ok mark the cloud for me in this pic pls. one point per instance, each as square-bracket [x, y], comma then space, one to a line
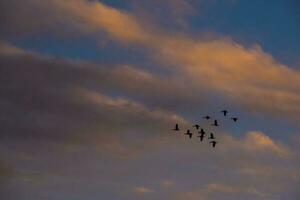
[255, 142]
[94, 16]
[225, 191]
[6, 172]
[167, 183]
[260, 142]
[250, 167]
[7, 49]
[69, 102]
[142, 190]
[82, 16]
[222, 188]
[247, 76]
[74, 102]
[170, 13]
[61, 101]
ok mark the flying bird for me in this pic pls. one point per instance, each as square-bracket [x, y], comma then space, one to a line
[176, 127]
[211, 136]
[234, 119]
[201, 137]
[202, 131]
[213, 143]
[206, 117]
[215, 123]
[196, 126]
[189, 133]
[224, 112]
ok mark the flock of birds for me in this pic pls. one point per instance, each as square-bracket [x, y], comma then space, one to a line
[202, 133]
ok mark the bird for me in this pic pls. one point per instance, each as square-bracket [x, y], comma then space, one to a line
[176, 127]
[201, 137]
[211, 136]
[189, 133]
[234, 119]
[224, 112]
[215, 123]
[202, 131]
[213, 143]
[206, 117]
[196, 126]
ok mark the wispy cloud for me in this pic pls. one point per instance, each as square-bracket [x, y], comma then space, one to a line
[217, 190]
[142, 190]
[248, 76]
[167, 183]
[256, 141]
[7, 49]
[51, 100]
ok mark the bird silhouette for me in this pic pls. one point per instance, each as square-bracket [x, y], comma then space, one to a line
[211, 136]
[176, 127]
[202, 131]
[224, 112]
[213, 143]
[189, 133]
[234, 119]
[196, 126]
[201, 137]
[215, 123]
[206, 117]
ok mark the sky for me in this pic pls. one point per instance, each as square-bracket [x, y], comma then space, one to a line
[91, 90]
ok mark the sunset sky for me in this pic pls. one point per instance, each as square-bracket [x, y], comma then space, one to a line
[91, 90]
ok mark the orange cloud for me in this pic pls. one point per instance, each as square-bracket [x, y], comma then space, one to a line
[167, 183]
[256, 141]
[261, 142]
[92, 16]
[217, 190]
[7, 49]
[245, 75]
[248, 76]
[129, 107]
[142, 190]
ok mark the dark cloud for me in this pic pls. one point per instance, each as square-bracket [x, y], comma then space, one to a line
[6, 172]
[50, 100]
[46, 98]
[24, 21]
[32, 17]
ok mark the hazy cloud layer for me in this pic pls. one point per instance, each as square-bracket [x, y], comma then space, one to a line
[94, 112]
[51, 99]
[248, 76]
[64, 102]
